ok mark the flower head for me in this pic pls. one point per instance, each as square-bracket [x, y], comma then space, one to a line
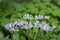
[38, 17]
[30, 25]
[47, 17]
[28, 17]
[10, 27]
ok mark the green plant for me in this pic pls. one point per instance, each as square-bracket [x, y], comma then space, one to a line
[12, 11]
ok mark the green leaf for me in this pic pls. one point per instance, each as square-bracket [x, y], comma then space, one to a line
[54, 21]
[35, 30]
[43, 6]
[36, 1]
[55, 13]
[1, 35]
[16, 36]
[58, 2]
[33, 10]
[22, 38]
[29, 5]
[20, 7]
[4, 21]
[42, 12]
[0, 0]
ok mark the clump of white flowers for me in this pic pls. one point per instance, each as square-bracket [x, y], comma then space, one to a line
[37, 17]
[26, 25]
[47, 28]
[44, 26]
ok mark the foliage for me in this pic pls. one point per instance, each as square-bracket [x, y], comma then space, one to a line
[11, 11]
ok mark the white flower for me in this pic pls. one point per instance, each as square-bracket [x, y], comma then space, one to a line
[47, 17]
[43, 23]
[41, 17]
[21, 22]
[52, 28]
[36, 24]
[46, 27]
[13, 29]
[10, 27]
[37, 21]
[40, 25]
[28, 17]
[16, 28]
[36, 17]
[14, 23]
[30, 25]
[25, 26]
